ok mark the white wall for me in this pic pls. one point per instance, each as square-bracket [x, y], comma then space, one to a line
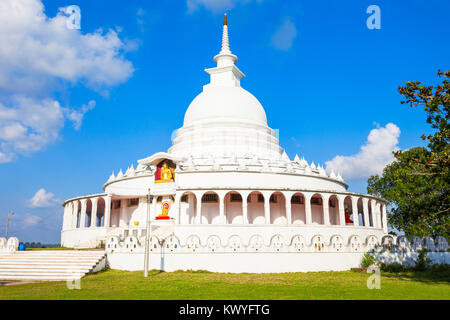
[236, 263]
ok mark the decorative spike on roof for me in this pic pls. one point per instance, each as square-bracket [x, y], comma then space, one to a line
[322, 172]
[296, 159]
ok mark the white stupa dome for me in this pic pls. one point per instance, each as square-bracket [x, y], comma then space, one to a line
[225, 119]
[225, 103]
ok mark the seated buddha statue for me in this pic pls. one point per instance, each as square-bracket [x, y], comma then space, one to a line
[166, 173]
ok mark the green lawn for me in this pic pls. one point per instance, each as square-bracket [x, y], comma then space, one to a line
[191, 285]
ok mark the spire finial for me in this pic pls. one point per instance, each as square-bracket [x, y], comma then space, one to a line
[226, 59]
[225, 41]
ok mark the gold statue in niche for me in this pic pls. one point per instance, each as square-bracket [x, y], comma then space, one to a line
[166, 174]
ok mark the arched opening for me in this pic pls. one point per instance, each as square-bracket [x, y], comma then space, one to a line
[210, 207]
[188, 208]
[87, 220]
[165, 171]
[361, 212]
[298, 212]
[370, 213]
[100, 218]
[277, 203]
[333, 208]
[255, 208]
[317, 209]
[233, 208]
[348, 211]
[381, 215]
[115, 215]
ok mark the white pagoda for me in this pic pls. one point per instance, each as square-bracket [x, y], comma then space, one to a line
[235, 199]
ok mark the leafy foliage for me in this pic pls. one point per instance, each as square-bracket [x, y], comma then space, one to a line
[368, 260]
[417, 183]
[423, 262]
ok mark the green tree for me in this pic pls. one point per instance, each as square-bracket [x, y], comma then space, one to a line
[417, 183]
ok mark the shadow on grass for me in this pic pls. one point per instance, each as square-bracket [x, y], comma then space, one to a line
[437, 275]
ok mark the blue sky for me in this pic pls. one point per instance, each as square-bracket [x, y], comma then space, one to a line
[324, 79]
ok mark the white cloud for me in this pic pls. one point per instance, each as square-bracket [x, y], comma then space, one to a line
[77, 115]
[40, 56]
[140, 16]
[284, 36]
[373, 156]
[43, 199]
[215, 6]
[29, 221]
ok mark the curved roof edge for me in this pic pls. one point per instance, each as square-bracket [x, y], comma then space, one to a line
[157, 157]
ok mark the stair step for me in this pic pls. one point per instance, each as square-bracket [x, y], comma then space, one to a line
[48, 265]
[41, 274]
[41, 269]
[40, 278]
[49, 259]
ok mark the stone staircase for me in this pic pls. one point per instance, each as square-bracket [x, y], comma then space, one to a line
[50, 265]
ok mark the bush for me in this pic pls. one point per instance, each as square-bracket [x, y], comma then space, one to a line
[423, 262]
[393, 267]
[368, 260]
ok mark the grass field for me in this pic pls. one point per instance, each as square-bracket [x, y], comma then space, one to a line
[193, 285]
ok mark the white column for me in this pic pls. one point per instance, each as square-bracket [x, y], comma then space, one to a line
[384, 217]
[222, 207]
[287, 199]
[83, 213]
[267, 207]
[222, 219]
[244, 195]
[75, 215]
[94, 202]
[107, 217]
[65, 216]
[288, 211]
[341, 210]
[176, 208]
[326, 208]
[153, 209]
[244, 211]
[308, 197]
[379, 215]
[366, 212]
[199, 208]
[374, 213]
[355, 211]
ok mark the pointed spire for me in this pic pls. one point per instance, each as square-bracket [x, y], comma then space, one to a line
[225, 40]
[225, 57]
